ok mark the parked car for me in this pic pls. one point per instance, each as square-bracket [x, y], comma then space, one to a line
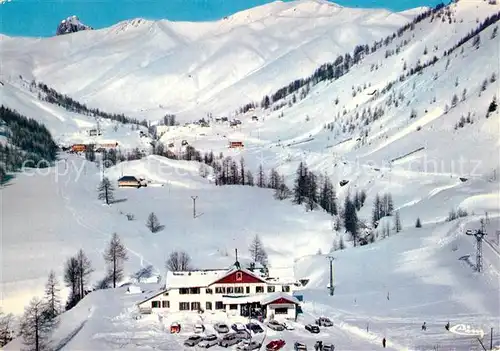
[238, 327]
[275, 345]
[209, 341]
[229, 340]
[324, 322]
[299, 346]
[248, 346]
[175, 328]
[199, 328]
[193, 340]
[254, 327]
[312, 328]
[288, 326]
[243, 335]
[221, 328]
[319, 346]
[275, 325]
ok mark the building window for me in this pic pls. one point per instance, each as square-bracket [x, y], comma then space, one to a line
[285, 288]
[155, 304]
[270, 288]
[195, 306]
[233, 306]
[183, 306]
[239, 276]
[208, 305]
[183, 291]
[229, 290]
[219, 305]
[165, 304]
[220, 290]
[208, 291]
[248, 290]
[238, 290]
[194, 291]
[281, 310]
[259, 289]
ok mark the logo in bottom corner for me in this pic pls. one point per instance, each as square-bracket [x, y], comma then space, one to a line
[467, 330]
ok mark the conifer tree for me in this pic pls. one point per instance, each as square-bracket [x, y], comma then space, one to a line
[312, 191]
[261, 177]
[153, 224]
[274, 179]
[249, 178]
[105, 191]
[327, 197]
[397, 222]
[300, 187]
[418, 223]
[351, 219]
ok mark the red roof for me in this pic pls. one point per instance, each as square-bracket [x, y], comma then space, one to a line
[279, 298]
[239, 276]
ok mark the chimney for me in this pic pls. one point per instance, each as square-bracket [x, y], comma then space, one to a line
[236, 264]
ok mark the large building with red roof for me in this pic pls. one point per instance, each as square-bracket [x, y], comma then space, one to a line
[237, 291]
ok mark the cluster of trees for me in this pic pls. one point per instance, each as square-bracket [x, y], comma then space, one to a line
[455, 214]
[311, 190]
[463, 121]
[170, 120]
[54, 97]
[178, 261]
[382, 206]
[41, 315]
[339, 67]
[475, 33]
[6, 328]
[112, 157]
[77, 272]
[30, 143]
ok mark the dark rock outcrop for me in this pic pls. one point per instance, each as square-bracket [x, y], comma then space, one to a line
[71, 25]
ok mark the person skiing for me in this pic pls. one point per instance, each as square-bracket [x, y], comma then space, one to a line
[383, 342]
[424, 327]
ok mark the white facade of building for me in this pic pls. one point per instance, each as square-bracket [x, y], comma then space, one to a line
[236, 292]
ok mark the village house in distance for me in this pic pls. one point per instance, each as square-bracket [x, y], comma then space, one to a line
[237, 291]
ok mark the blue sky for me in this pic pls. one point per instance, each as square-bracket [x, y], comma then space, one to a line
[41, 17]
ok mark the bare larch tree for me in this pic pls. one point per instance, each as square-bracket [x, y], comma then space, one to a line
[35, 326]
[257, 251]
[52, 298]
[115, 256]
[178, 261]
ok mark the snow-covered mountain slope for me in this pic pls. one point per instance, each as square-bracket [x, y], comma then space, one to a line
[419, 149]
[421, 269]
[186, 66]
